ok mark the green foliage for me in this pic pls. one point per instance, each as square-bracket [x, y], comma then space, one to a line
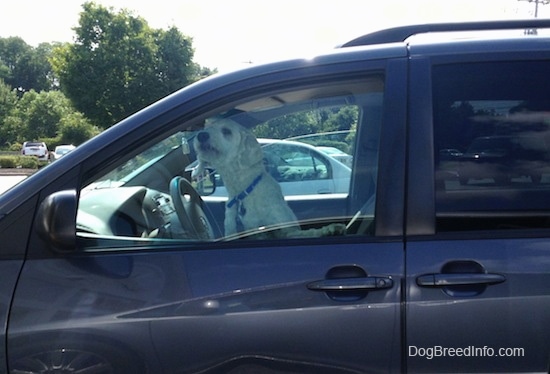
[25, 162]
[311, 122]
[46, 116]
[288, 126]
[75, 129]
[8, 161]
[40, 113]
[119, 65]
[15, 147]
[175, 63]
[24, 67]
[342, 119]
[8, 100]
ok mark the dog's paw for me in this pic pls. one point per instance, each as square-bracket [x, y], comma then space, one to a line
[334, 229]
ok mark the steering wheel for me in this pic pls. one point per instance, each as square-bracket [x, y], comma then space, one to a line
[190, 209]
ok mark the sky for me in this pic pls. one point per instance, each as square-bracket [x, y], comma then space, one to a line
[229, 34]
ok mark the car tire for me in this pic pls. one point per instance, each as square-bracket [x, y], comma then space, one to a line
[41, 358]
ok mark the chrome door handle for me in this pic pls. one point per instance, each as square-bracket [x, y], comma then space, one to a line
[458, 279]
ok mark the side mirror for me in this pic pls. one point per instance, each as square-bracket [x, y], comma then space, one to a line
[56, 220]
[205, 184]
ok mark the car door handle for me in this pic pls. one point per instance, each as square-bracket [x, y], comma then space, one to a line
[351, 284]
[458, 279]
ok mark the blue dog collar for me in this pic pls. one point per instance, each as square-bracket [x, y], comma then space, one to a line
[245, 193]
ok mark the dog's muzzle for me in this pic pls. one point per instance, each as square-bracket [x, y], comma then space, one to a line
[203, 137]
[203, 141]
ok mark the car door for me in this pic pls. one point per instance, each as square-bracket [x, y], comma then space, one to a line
[299, 169]
[478, 270]
[138, 293]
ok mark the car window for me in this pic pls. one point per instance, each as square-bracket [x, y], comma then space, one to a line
[254, 164]
[492, 145]
[301, 168]
[289, 162]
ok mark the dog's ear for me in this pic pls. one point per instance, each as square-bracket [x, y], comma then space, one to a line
[252, 151]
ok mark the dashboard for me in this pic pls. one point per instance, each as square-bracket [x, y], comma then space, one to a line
[135, 211]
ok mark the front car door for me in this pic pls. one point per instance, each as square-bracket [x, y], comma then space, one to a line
[478, 270]
[140, 293]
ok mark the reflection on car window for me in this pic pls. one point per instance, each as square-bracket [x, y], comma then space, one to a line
[263, 169]
[302, 168]
[295, 162]
[123, 173]
[492, 143]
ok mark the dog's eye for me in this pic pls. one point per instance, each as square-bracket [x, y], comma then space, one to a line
[226, 131]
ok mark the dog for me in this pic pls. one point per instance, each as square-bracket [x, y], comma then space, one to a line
[255, 199]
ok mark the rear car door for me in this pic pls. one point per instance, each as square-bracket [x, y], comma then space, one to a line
[478, 270]
[140, 294]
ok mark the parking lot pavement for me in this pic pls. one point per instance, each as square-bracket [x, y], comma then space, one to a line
[7, 181]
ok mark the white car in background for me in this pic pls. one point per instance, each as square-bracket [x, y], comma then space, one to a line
[338, 154]
[62, 150]
[38, 149]
[300, 168]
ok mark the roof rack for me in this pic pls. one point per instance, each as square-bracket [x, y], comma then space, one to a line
[400, 34]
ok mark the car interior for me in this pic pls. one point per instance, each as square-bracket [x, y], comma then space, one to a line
[151, 196]
[492, 148]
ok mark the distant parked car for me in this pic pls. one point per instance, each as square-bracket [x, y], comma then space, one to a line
[337, 154]
[62, 150]
[300, 169]
[38, 149]
[502, 158]
[449, 154]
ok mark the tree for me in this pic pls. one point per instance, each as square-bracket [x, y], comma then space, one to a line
[119, 65]
[8, 100]
[8, 103]
[176, 68]
[25, 68]
[309, 122]
[47, 116]
[41, 113]
[75, 129]
[287, 126]
[343, 118]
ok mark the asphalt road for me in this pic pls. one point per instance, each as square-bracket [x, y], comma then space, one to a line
[7, 181]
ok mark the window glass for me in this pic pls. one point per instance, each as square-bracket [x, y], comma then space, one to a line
[492, 145]
[274, 167]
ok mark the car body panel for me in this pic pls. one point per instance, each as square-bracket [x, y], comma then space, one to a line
[10, 272]
[495, 325]
[239, 294]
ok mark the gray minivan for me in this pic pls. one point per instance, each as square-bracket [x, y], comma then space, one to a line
[104, 272]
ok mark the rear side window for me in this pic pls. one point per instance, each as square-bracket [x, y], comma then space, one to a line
[492, 145]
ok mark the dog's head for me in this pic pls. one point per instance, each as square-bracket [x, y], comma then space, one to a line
[225, 143]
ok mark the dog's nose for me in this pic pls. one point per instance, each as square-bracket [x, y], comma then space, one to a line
[202, 136]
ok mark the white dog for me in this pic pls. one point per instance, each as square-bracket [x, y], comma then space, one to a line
[255, 198]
